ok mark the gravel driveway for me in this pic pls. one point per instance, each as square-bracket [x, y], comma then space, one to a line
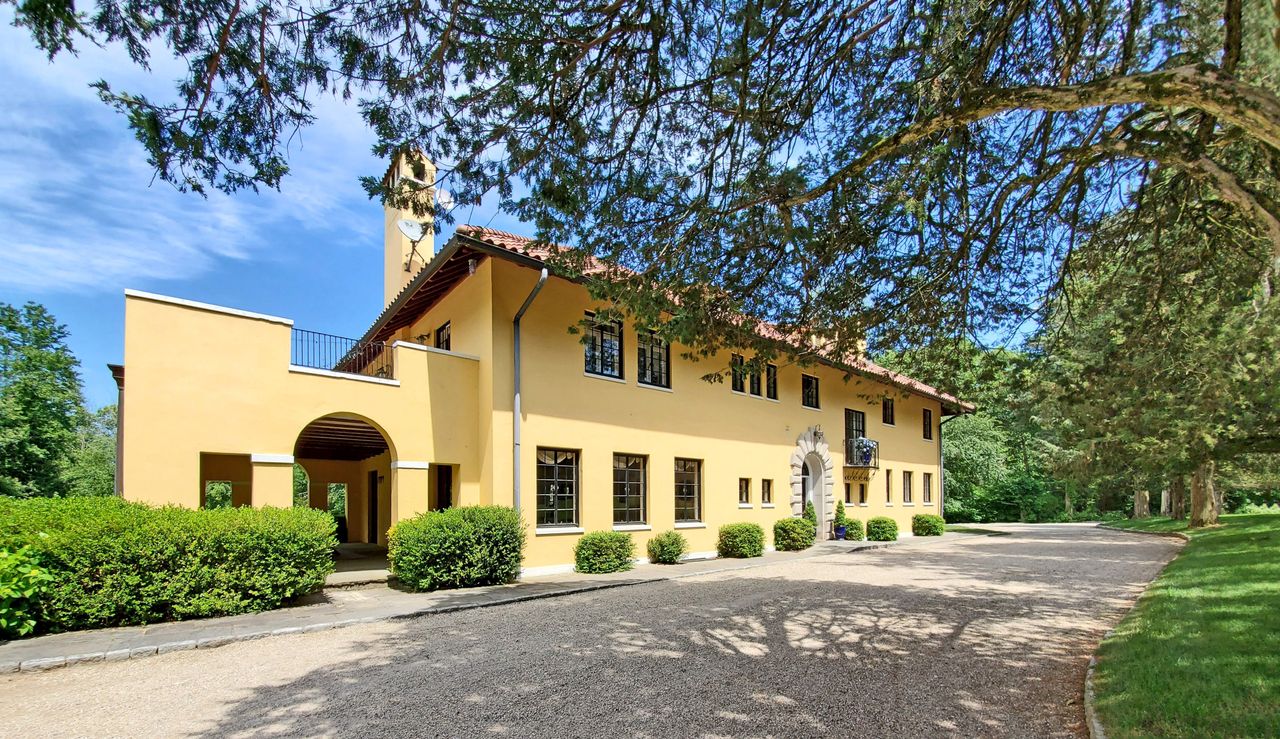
[982, 635]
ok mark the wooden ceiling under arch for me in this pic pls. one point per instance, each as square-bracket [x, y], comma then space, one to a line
[335, 437]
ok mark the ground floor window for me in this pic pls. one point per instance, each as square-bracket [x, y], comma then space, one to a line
[744, 490]
[557, 487]
[848, 493]
[888, 486]
[688, 489]
[927, 490]
[906, 487]
[630, 485]
[766, 492]
[862, 493]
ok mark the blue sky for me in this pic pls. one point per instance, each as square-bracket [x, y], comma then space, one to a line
[81, 219]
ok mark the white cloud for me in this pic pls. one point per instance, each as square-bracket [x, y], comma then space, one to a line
[79, 210]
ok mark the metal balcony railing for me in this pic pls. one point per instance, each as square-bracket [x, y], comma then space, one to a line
[340, 354]
[862, 452]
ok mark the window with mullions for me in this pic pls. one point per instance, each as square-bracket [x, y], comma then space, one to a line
[755, 383]
[444, 338]
[809, 391]
[629, 487]
[927, 490]
[653, 359]
[688, 489]
[737, 375]
[602, 351]
[557, 487]
[928, 424]
[771, 381]
[744, 490]
[886, 411]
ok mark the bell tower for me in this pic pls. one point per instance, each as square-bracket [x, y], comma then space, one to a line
[409, 173]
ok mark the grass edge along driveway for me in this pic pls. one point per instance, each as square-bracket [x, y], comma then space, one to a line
[1200, 654]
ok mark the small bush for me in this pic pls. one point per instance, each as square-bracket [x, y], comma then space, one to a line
[461, 547]
[793, 534]
[740, 540]
[840, 516]
[810, 514]
[853, 530]
[1257, 508]
[116, 564]
[927, 524]
[22, 583]
[882, 528]
[667, 548]
[600, 552]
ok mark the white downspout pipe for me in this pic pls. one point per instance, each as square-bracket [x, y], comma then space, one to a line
[515, 406]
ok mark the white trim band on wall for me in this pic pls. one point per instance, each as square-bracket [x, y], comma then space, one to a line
[271, 458]
[404, 464]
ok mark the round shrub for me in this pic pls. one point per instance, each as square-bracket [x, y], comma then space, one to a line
[667, 548]
[118, 564]
[460, 547]
[853, 530]
[600, 552]
[793, 534]
[882, 528]
[927, 524]
[740, 540]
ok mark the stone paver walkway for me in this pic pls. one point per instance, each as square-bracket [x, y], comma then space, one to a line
[338, 607]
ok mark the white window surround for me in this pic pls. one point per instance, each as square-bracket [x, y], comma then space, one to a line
[342, 375]
[206, 307]
[862, 505]
[647, 386]
[810, 408]
[433, 350]
[908, 505]
[554, 530]
[690, 525]
[768, 505]
[745, 505]
[271, 458]
[594, 376]
[632, 527]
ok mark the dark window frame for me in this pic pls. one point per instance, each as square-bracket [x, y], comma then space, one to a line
[635, 484]
[805, 392]
[926, 489]
[908, 495]
[771, 381]
[862, 493]
[692, 489]
[755, 384]
[737, 376]
[887, 416]
[653, 355]
[888, 487]
[594, 355]
[744, 491]
[574, 483]
[766, 491]
[928, 424]
[444, 336]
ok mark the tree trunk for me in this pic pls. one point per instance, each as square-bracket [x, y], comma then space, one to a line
[1141, 504]
[1178, 491]
[1204, 510]
[1166, 502]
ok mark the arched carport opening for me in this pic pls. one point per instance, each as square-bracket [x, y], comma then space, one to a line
[350, 451]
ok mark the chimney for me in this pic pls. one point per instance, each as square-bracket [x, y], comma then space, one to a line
[401, 261]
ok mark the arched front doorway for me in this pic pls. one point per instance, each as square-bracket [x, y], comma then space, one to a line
[811, 490]
[812, 478]
[348, 450]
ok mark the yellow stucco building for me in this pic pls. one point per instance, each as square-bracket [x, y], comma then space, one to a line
[617, 432]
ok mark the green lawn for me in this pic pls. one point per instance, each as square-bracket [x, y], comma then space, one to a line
[1200, 655]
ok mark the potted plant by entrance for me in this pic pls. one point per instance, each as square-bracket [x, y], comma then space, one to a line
[841, 523]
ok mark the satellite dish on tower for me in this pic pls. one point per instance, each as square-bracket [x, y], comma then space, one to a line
[412, 230]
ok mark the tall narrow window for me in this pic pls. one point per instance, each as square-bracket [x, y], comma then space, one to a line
[688, 489]
[848, 493]
[653, 359]
[754, 379]
[906, 487]
[603, 349]
[557, 487]
[888, 487]
[771, 381]
[744, 491]
[809, 391]
[862, 493]
[737, 378]
[444, 338]
[630, 488]
[766, 492]
[886, 411]
[928, 424]
[855, 424]
[926, 490]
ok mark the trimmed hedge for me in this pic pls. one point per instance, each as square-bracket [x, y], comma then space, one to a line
[740, 540]
[853, 530]
[115, 563]
[667, 548]
[882, 528]
[601, 552]
[793, 534]
[461, 547]
[927, 524]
